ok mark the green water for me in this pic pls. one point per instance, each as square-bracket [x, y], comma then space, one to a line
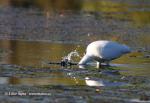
[35, 53]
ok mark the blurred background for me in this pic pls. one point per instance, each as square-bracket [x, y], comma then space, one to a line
[77, 20]
[72, 22]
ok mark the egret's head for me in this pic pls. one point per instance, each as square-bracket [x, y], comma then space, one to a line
[126, 49]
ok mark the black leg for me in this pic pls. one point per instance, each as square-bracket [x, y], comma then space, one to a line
[99, 67]
[107, 63]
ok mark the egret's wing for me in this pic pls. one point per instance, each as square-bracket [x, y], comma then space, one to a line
[111, 51]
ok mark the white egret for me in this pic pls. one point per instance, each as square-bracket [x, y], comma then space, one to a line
[104, 51]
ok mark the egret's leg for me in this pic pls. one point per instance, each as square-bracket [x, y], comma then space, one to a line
[107, 63]
[99, 65]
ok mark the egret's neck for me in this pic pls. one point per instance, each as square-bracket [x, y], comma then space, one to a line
[85, 60]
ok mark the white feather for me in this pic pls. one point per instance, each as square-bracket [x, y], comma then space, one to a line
[102, 51]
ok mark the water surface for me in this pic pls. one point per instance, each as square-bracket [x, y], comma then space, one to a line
[35, 54]
[39, 54]
[36, 32]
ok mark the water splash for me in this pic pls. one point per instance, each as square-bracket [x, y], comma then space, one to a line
[67, 60]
